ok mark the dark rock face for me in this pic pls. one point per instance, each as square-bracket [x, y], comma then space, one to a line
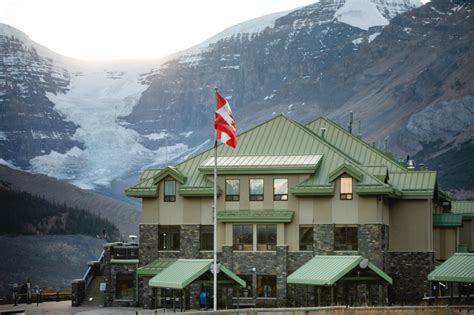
[30, 124]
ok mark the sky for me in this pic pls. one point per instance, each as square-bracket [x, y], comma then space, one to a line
[123, 29]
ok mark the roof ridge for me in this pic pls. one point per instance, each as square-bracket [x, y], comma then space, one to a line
[334, 124]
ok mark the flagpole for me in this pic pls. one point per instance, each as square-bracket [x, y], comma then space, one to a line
[214, 215]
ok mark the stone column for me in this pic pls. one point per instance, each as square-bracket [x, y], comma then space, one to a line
[190, 241]
[78, 291]
[227, 257]
[148, 251]
[323, 239]
[108, 294]
[281, 274]
[371, 242]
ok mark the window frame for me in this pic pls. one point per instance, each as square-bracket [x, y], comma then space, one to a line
[303, 246]
[242, 246]
[346, 195]
[174, 232]
[346, 245]
[266, 245]
[166, 197]
[206, 229]
[232, 198]
[280, 197]
[125, 278]
[256, 197]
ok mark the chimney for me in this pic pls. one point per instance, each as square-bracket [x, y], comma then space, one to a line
[386, 143]
[323, 133]
[411, 165]
[351, 119]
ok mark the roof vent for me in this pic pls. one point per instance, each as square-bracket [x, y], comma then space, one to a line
[323, 132]
[411, 164]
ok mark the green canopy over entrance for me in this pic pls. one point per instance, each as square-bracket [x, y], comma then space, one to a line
[183, 272]
[458, 268]
[327, 270]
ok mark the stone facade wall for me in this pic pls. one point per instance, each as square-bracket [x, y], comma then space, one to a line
[409, 271]
[190, 241]
[323, 237]
[148, 243]
[372, 242]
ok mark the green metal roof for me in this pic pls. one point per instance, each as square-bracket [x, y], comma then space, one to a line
[353, 146]
[447, 220]
[458, 268]
[169, 171]
[155, 267]
[414, 184]
[184, 271]
[346, 169]
[281, 143]
[465, 208]
[281, 216]
[262, 164]
[327, 270]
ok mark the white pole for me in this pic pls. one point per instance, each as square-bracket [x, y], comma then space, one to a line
[214, 215]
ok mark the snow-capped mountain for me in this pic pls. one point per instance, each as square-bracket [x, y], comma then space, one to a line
[374, 57]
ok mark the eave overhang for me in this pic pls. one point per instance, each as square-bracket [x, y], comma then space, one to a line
[255, 216]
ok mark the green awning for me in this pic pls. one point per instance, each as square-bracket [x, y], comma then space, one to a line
[155, 267]
[327, 270]
[447, 220]
[252, 216]
[184, 271]
[458, 268]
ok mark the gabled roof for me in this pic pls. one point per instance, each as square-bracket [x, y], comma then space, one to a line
[327, 270]
[466, 207]
[184, 271]
[352, 146]
[285, 144]
[458, 268]
[346, 169]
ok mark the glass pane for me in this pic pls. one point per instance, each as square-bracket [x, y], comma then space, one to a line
[170, 187]
[256, 186]
[272, 234]
[280, 186]
[306, 238]
[266, 286]
[247, 234]
[339, 238]
[351, 238]
[232, 187]
[124, 286]
[346, 185]
[207, 237]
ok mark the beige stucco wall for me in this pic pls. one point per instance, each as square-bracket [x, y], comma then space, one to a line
[150, 210]
[411, 223]
[445, 242]
[466, 234]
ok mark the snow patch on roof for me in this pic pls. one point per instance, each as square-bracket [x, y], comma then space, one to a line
[362, 14]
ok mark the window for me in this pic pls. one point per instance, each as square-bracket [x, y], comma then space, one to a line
[169, 237]
[256, 189]
[306, 237]
[247, 291]
[266, 286]
[280, 189]
[346, 188]
[170, 190]
[243, 237]
[125, 252]
[232, 190]
[266, 236]
[345, 237]
[124, 286]
[207, 237]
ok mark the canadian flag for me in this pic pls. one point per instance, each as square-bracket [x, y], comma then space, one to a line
[224, 122]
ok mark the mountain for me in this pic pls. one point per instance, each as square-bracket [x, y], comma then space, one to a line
[124, 216]
[394, 63]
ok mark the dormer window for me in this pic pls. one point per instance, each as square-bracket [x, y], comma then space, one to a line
[170, 191]
[346, 187]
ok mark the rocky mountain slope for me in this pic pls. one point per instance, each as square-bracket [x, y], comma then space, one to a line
[396, 64]
[124, 216]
